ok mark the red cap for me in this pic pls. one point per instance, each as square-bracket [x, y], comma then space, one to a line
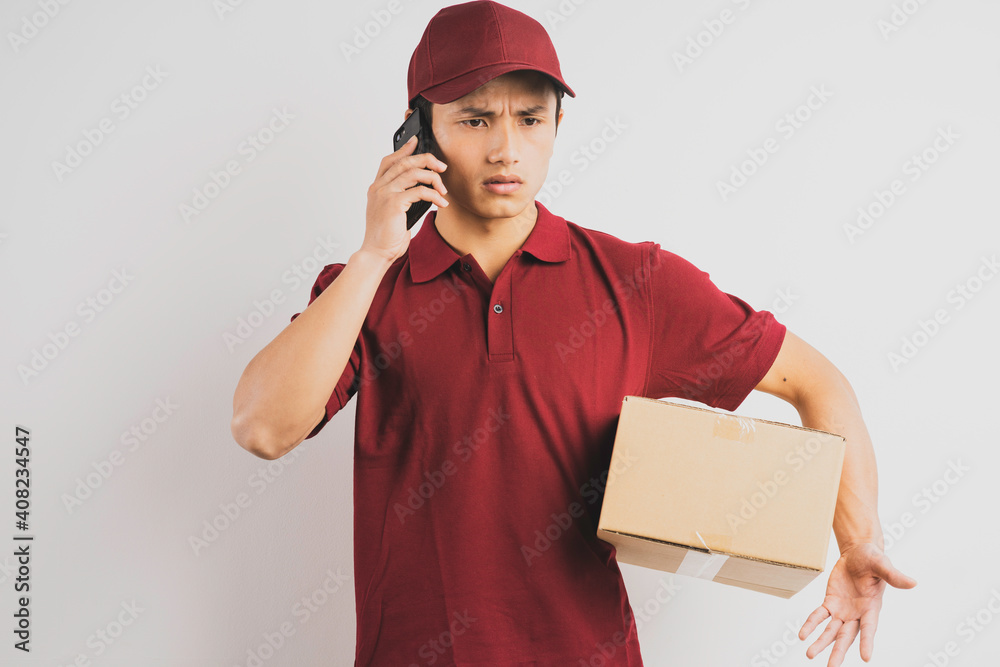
[464, 46]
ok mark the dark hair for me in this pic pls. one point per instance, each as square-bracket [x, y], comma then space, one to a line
[425, 106]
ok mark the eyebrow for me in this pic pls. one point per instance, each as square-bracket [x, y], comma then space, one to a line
[479, 111]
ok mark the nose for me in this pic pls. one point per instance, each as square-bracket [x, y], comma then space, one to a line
[506, 145]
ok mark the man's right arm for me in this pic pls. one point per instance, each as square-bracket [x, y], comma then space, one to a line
[283, 392]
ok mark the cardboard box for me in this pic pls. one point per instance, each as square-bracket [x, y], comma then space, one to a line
[700, 492]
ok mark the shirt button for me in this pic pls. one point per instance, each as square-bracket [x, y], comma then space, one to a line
[498, 308]
[467, 266]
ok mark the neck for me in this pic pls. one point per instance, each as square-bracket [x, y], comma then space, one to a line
[490, 240]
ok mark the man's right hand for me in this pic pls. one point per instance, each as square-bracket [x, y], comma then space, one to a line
[392, 193]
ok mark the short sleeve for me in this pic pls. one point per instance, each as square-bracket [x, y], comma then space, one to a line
[349, 381]
[707, 345]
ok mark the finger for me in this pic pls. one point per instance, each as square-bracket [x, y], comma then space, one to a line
[897, 579]
[814, 619]
[425, 159]
[393, 158]
[844, 640]
[885, 570]
[421, 162]
[824, 639]
[435, 180]
[408, 146]
[412, 195]
[869, 623]
[422, 176]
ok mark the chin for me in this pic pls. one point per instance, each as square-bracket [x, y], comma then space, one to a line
[506, 206]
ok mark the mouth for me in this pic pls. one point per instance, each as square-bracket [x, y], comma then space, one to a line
[503, 184]
[508, 178]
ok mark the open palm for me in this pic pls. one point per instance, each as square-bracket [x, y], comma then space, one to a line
[853, 600]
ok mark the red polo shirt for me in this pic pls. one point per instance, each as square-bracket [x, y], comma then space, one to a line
[486, 416]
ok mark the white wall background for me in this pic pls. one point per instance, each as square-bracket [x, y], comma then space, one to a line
[162, 337]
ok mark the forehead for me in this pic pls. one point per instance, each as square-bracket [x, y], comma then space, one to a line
[521, 87]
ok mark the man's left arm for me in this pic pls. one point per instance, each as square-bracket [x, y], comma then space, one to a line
[826, 401]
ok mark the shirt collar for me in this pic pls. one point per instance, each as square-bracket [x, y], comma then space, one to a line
[430, 255]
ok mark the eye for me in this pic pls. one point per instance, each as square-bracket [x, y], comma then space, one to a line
[537, 121]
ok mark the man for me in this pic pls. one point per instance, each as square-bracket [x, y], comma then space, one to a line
[490, 356]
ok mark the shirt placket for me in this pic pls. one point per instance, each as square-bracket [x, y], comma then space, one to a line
[499, 330]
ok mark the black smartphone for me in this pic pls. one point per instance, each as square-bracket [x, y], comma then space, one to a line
[415, 125]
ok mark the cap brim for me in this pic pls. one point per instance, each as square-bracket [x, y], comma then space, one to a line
[460, 86]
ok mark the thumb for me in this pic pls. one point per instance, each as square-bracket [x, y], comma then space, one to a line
[886, 571]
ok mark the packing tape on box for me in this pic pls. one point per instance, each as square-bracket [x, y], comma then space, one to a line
[731, 427]
[701, 565]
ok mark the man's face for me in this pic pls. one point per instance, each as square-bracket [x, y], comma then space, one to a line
[507, 126]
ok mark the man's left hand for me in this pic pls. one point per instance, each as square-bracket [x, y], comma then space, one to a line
[853, 600]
